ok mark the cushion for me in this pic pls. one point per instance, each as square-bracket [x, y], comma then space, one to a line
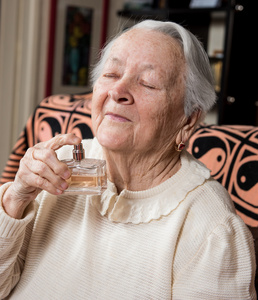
[231, 153]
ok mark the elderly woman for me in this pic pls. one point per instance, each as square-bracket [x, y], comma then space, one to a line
[163, 228]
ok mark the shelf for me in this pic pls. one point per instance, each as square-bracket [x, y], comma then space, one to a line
[165, 13]
[157, 14]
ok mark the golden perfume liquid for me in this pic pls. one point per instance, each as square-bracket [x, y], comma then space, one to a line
[88, 176]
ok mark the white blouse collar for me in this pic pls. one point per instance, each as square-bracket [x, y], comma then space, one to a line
[143, 206]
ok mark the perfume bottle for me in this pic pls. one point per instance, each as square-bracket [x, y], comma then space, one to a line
[88, 175]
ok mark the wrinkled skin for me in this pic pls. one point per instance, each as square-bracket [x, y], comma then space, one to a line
[138, 114]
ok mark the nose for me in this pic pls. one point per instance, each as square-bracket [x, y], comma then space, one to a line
[120, 93]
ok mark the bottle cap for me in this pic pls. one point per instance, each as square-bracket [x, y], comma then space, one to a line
[78, 152]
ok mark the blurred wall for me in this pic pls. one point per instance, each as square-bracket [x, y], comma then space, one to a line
[23, 43]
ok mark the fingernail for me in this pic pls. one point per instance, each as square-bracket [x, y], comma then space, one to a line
[75, 138]
[66, 174]
[64, 185]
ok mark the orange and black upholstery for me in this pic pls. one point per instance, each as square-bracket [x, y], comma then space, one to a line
[231, 153]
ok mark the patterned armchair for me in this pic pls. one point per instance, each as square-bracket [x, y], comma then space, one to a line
[230, 152]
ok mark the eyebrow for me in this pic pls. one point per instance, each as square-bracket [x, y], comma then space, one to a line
[114, 59]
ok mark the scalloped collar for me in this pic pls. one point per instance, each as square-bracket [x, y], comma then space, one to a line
[143, 206]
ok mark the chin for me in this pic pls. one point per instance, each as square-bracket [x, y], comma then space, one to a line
[112, 141]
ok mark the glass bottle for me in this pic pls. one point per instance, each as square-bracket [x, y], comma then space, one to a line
[88, 175]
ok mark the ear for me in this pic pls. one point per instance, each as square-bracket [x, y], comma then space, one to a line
[188, 128]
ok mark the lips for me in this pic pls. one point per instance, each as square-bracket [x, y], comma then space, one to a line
[116, 117]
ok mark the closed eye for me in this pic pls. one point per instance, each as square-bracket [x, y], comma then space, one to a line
[148, 85]
[110, 75]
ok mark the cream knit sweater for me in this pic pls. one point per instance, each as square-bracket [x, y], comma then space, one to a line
[180, 240]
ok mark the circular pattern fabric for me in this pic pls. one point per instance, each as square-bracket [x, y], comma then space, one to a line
[231, 153]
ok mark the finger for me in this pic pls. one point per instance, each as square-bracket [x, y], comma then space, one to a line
[62, 139]
[45, 162]
[29, 184]
[38, 183]
[45, 152]
[47, 166]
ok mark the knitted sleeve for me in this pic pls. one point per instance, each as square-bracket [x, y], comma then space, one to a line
[54, 115]
[12, 233]
[220, 268]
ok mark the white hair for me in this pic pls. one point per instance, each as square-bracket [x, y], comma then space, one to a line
[200, 93]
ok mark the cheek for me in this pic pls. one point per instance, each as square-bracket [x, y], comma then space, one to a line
[152, 125]
[166, 121]
[98, 100]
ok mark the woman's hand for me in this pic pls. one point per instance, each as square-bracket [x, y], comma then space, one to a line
[39, 170]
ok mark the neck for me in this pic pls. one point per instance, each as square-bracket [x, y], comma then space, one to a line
[140, 172]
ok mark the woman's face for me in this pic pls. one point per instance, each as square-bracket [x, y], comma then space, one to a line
[138, 99]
